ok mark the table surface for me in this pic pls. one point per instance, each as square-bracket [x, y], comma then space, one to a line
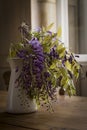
[70, 113]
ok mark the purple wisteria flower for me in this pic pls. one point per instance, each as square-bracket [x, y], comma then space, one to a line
[34, 65]
[53, 53]
[49, 33]
[38, 29]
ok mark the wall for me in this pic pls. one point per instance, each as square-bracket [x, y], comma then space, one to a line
[83, 79]
[73, 25]
[12, 13]
[83, 26]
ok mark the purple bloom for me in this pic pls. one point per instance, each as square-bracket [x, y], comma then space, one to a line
[54, 39]
[53, 53]
[38, 29]
[70, 59]
[46, 74]
[22, 54]
[34, 42]
[40, 58]
[34, 65]
[49, 33]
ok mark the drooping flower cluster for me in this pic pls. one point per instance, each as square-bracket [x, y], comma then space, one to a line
[46, 64]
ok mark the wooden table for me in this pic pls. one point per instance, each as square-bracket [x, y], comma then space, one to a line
[69, 114]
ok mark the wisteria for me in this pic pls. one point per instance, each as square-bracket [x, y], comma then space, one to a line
[46, 64]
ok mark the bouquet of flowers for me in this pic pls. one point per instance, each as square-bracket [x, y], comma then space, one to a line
[47, 64]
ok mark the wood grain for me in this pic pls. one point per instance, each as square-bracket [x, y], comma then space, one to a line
[69, 114]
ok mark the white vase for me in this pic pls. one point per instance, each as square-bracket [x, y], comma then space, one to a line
[17, 101]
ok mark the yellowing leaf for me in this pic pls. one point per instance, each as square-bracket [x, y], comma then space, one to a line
[60, 46]
[68, 65]
[59, 32]
[44, 29]
[53, 66]
[64, 81]
[49, 27]
[63, 72]
[61, 50]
